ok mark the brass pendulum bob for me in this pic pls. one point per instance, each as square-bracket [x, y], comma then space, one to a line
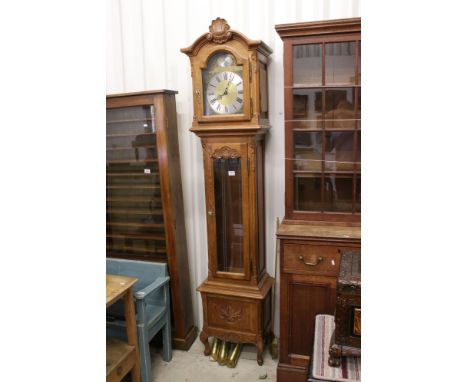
[215, 350]
[234, 356]
[223, 353]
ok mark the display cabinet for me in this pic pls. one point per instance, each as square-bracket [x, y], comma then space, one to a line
[144, 202]
[322, 101]
[229, 73]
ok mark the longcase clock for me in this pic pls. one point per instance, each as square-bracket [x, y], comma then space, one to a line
[229, 73]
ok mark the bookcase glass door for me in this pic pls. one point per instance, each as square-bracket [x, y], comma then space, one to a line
[229, 223]
[324, 126]
[134, 211]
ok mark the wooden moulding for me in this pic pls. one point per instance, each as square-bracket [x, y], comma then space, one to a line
[321, 230]
[221, 32]
[321, 28]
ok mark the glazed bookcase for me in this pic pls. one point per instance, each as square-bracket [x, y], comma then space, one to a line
[322, 100]
[144, 202]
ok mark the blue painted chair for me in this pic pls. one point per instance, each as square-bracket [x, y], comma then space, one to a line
[151, 294]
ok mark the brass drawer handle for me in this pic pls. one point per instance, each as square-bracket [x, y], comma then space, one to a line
[315, 260]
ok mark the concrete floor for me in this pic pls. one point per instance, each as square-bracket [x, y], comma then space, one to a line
[193, 366]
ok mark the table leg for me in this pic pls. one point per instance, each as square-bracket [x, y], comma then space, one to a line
[131, 332]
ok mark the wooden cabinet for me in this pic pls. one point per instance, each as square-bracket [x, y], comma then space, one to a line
[144, 203]
[309, 266]
[322, 177]
[231, 118]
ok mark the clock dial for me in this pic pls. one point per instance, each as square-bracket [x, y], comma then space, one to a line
[225, 93]
[223, 87]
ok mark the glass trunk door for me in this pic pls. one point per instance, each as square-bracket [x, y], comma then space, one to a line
[228, 212]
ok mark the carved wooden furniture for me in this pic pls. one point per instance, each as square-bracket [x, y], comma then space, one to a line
[145, 209]
[229, 73]
[153, 307]
[346, 339]
[319, 369]
[322, 177]
[122, 357]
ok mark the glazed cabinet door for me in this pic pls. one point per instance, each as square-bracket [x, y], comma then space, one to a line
[134, 213]
[227, 202]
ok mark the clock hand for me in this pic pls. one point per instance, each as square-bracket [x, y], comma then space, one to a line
[227, 87]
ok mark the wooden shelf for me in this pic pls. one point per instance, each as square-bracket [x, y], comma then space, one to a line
[143, 199]
[119, 358]
[130, 147]
[304, 173]
[150, 122]
[130, 174]
[134, 212]
[132, 187]
[136, 237]
[131, 161]
[330, 86]
[136, 249]
[129, 134]
[149, 225]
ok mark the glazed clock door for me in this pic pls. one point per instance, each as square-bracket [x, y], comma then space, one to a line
[227, 210]
[225, 88]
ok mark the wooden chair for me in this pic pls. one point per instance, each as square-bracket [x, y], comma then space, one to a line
[151, 294]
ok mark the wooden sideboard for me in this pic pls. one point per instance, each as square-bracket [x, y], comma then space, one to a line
[309, 266]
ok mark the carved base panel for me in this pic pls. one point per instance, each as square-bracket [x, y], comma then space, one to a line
[237, 319]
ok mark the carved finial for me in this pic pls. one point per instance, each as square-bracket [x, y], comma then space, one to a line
[219, 31]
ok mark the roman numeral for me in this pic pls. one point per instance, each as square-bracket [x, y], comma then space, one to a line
[239, 100]
[212, 101]
[218, 107]
[225, 75]
[225, 109]
[241, 92]
[240, 83]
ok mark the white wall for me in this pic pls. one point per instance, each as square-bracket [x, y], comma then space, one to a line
[144, 38]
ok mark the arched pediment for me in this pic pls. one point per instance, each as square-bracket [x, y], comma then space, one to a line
[219, 33]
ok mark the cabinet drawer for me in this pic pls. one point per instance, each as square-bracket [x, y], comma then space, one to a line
[311, 259]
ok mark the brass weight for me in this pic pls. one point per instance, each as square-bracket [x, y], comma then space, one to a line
[223, 353]
[215, 350]
[234, 356]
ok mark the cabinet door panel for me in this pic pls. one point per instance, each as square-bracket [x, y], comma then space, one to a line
[307, 297]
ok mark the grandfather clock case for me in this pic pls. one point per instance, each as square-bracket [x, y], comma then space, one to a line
[229, 73]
